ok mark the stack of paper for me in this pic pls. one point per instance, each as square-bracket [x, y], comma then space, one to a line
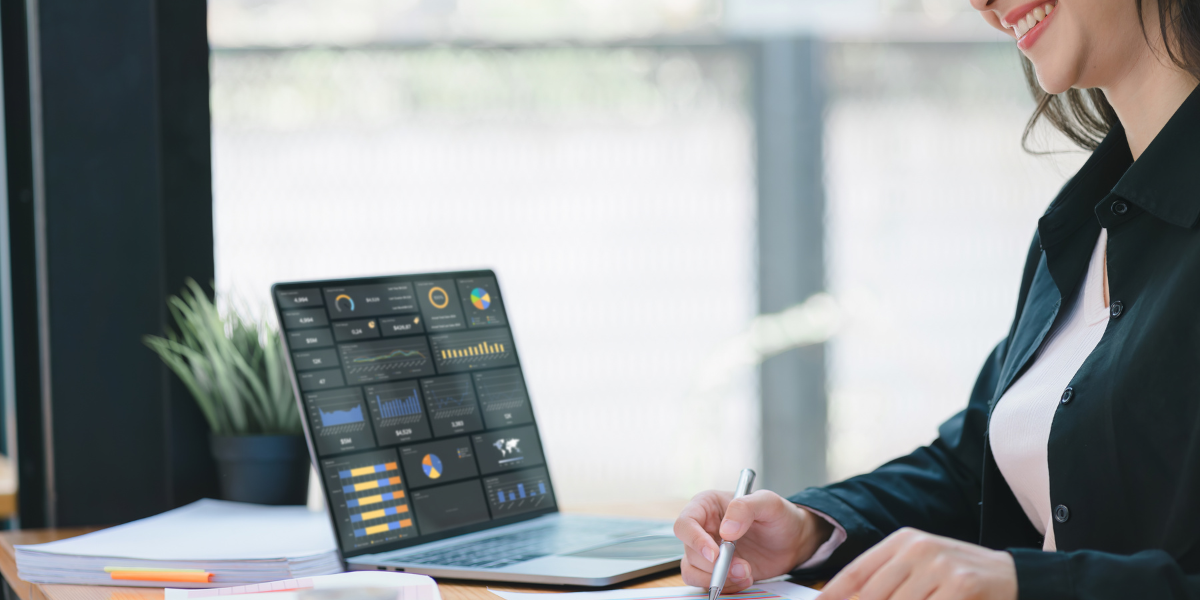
[209, 543]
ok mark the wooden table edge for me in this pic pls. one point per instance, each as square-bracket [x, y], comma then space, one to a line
[451, 589]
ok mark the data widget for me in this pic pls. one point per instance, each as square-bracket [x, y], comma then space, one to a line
[443, 461]
[368, 498]
[348, 302]
[397, 413]
[440, 305]
[338, 421]
[507, 449]
[481, 302]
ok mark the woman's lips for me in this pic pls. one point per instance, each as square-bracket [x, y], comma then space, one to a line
[1030, 36]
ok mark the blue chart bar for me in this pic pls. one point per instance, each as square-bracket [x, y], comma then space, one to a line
[399, 407]
[541, 488]
[394, 525]
[521, 489]
[341, 417]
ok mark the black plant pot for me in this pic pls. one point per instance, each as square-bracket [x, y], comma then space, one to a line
[263, 469]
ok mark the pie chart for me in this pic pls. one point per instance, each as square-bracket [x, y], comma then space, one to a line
[432, 465]
[480, 298]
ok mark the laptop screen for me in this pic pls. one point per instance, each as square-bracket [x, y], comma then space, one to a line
[414, 406]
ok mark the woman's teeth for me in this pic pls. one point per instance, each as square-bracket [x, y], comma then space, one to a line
[1034, 17]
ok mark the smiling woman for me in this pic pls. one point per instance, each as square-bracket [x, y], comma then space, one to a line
[1071, 473]
[1076, 104]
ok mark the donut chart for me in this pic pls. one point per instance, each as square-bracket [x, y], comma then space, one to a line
[481, 298]
[432, 465]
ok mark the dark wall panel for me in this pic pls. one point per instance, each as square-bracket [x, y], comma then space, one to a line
[120, 136]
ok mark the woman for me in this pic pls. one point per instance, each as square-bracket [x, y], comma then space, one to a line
[1074, 471]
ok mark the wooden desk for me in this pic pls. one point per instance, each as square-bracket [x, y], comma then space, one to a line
[451, 589]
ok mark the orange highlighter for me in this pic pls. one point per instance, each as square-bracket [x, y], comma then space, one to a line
[158, 574]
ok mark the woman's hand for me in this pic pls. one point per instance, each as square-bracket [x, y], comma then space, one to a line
[773, 536]
[914, 565]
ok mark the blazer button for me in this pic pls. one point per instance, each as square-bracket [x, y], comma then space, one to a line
[1066, 396]
[1119, 208]
[1062, 513]
[1116, 308]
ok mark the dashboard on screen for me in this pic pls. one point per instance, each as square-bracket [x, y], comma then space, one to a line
[414, 405]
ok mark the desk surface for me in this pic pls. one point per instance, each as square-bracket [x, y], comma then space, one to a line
[451, 590]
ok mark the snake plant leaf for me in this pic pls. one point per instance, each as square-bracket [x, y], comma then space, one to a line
[231, 364]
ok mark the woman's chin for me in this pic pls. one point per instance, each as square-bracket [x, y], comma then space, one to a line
[1053, 80]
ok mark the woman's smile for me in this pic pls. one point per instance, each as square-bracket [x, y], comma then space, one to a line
[1028, 21]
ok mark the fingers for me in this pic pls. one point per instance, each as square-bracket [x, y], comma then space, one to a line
[740, 577]
[762, 505]
[692, 575]
[855, 576]
[689, 526]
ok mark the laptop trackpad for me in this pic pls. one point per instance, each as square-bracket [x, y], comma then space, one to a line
[641, 548]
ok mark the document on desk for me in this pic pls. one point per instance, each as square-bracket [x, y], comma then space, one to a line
[209, 543]
[776, 590]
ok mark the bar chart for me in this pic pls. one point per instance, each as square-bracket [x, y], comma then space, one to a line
[369, 498]
[518, 492]
[397, 412]
[470, 350]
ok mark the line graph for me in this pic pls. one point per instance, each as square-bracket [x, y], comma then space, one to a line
[366, 362]
[393, 355]
[452, 405]
[503, 398]
[334, 418]
[338, 419]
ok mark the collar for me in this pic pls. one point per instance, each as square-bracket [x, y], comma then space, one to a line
[1075, 205]
[1165, 180]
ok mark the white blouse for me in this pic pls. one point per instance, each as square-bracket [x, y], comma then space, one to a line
[1020, 425]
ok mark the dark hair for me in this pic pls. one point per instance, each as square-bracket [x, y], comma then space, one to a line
[1085, 116]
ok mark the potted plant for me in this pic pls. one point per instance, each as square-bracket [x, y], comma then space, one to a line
[234, 368]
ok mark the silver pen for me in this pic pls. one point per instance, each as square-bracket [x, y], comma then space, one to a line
[725, 556]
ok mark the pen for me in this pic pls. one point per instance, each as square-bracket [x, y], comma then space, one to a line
[725, 556]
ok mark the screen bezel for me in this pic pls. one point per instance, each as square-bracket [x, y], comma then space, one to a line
[311, 442]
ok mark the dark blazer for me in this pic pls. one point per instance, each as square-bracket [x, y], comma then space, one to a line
[1124, 448]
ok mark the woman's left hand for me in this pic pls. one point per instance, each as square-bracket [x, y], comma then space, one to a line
[914, 565]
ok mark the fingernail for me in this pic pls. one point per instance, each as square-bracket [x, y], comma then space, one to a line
[730, 527]
[738, 571]
[708, 555]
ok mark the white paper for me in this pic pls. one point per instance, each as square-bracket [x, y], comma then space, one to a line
[766, 591]
[208, 530]
[409, 585]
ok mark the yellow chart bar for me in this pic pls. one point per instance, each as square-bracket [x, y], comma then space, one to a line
[370, 500]
[369, 485]
[377, 529]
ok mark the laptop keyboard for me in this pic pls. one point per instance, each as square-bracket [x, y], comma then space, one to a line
[517, 547]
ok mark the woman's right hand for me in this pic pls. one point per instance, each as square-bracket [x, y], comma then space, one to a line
[773, 536]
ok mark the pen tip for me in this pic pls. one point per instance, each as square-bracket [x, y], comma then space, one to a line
[713, 593]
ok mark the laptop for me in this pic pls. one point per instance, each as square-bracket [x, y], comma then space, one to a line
[421, 428]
